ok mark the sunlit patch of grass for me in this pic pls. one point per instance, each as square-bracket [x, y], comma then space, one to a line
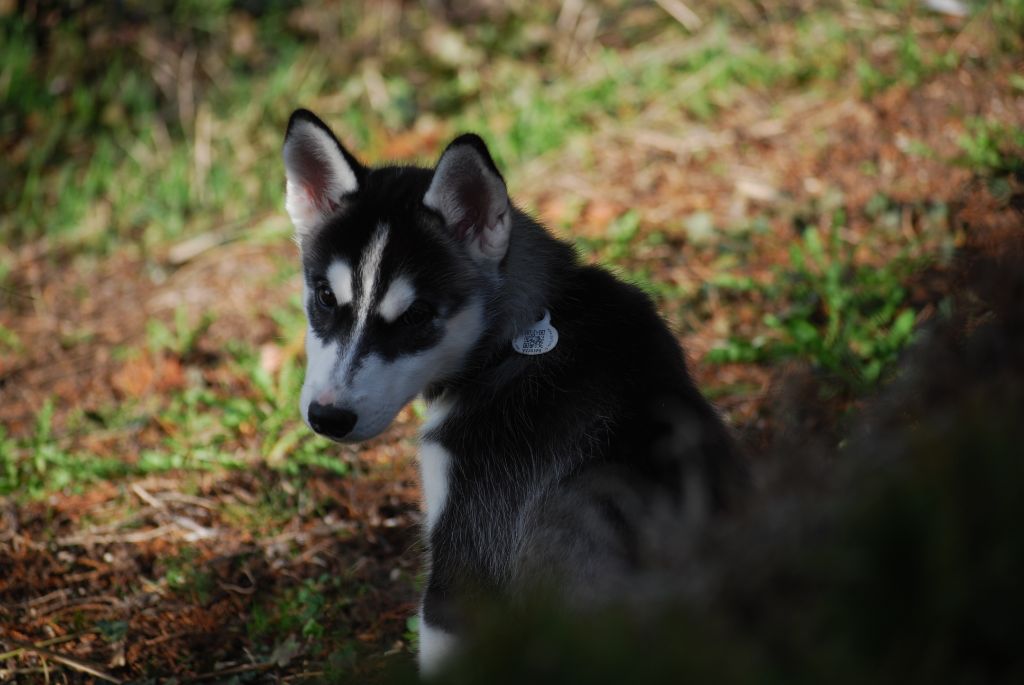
[217, 426]
[992, 149]
[153, 147]
[10, 341]
[130, 156]
[908, 64]
[37, 464]
[249, 418]
[182, 338]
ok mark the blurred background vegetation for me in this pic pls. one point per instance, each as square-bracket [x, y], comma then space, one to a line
[793, 181]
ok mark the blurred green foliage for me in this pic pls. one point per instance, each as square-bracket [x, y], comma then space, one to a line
[851, 319]
[993, 149]
[145, 122]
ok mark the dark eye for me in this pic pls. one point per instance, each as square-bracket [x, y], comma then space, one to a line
[325, 296]
[418, 313]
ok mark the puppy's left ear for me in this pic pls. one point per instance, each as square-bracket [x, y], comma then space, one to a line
[319, 171]
[470, 195]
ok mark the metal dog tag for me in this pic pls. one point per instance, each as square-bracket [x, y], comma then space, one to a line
[539, 338]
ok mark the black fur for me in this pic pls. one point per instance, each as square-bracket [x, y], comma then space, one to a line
[596, 408]
[418, 244]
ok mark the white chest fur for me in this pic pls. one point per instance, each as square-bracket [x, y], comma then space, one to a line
[435, 464]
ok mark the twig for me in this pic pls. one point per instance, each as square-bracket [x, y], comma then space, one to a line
[196, 531]
[90, 603]
[182, 498]
[60, 639]
[681, 13]
[234, 670]
[231, 587]
[302, 676]
[685, 146]
[15, 293]
[146, 497]
[56, 594]
[72, 662]
[166, 637]
[128, 538]
[6, 673]
[188, 250]
[96, 604]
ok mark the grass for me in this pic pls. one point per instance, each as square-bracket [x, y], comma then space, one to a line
[850, 320]
[36, 465]
[300, 610]
[992, 148]
[152, 146]
[204, 427]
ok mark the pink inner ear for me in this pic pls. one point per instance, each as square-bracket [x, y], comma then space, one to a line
[470, 224]
[319, 201]
[472, 197]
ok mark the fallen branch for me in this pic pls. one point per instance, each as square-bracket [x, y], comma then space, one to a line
[681, 13]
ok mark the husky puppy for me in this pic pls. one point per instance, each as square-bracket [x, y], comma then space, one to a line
[560, 414]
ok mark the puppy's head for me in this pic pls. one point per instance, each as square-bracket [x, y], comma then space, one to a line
[398, 262]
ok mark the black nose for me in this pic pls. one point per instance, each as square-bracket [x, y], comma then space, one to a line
[334, 422]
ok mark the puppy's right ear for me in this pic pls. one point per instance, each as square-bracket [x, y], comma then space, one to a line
[319, 172]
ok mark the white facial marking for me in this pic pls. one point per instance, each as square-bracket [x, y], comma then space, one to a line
[435, 646]
[372, 387]
[339, 276]
[379, 388]
[327, 366]
[399, 296]
[369, 267]
[369, 271]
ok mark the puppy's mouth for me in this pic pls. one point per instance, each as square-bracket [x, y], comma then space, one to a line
[340, 439]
